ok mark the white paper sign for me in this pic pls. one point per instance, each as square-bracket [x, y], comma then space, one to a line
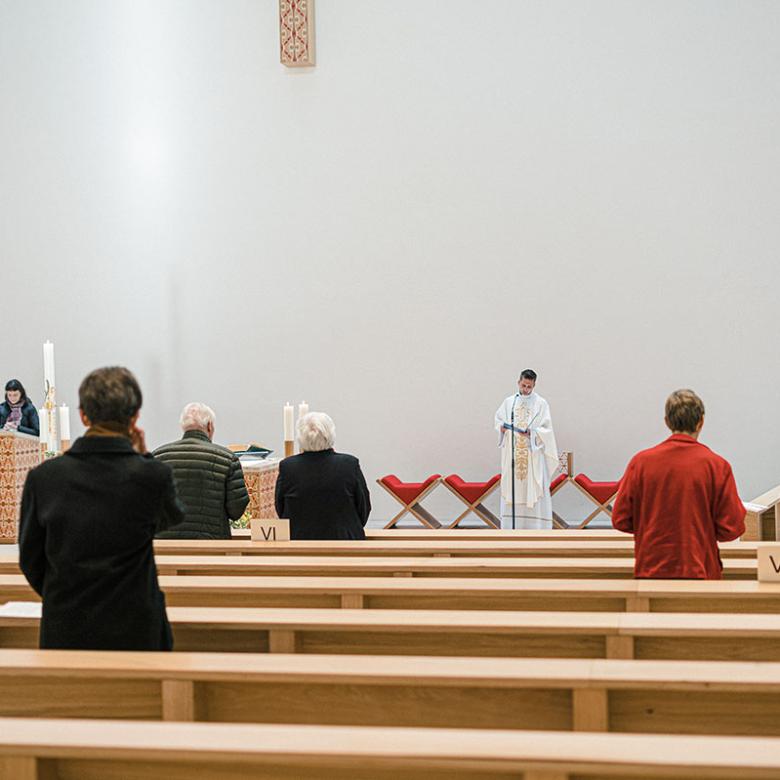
[768, 562]
[21, 609]
[270, 530]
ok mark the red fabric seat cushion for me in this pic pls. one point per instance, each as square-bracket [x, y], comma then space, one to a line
[407, 491]
[601, 491]
[470, 491]
[559, 480]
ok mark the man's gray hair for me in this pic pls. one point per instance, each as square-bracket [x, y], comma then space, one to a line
[196, 415]
[316, 432]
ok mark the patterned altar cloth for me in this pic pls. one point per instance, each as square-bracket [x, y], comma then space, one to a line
[260, 477]
[18, 454]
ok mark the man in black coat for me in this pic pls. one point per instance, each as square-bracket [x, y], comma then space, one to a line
[322, 492]
[88, 520]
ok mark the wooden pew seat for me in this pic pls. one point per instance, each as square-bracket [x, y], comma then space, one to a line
[109, 750]
[476, 534]
[475, 633]
[745, 596]
[415, 548]
[499, 693]
[354, 566]
[421, 567]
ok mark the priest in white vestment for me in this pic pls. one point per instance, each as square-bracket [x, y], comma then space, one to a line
[536, 456]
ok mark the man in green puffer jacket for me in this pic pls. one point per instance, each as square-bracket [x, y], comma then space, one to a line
[209, 479]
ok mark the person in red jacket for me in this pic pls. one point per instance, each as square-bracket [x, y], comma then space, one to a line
[679, 499]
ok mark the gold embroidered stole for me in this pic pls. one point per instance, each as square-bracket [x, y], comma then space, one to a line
[522, 449]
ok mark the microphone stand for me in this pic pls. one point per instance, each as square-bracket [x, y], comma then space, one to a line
[514, 402]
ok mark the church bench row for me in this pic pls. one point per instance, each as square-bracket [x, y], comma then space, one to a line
[414, 549]
[420, 567]
[109, 750]
[497, 693]
[627, 595]
[659, 636]
[478, 534]
[355, 566]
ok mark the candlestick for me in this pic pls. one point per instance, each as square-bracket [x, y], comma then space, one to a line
[289, 422]
[43, 422]
[64, 423]
[52, 441]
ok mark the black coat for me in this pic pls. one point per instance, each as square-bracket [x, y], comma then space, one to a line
[29, 422]
[324, 495]
[87, 523]
[210, 484]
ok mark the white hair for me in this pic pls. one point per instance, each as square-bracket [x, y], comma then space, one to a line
[316, 432]
[196, 415]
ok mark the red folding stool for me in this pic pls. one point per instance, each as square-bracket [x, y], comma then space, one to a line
[602, 494]
[473, 494]
[410, 494]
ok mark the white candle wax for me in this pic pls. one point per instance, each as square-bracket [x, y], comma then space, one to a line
[64, 423]
[303, 408]
[48, 363]
[43, 421]
[289, 423]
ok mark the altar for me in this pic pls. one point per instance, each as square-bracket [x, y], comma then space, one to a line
[19, 452]
[260, 477]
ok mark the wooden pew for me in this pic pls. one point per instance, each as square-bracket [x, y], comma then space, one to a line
[715, 637]
[108, 750]
[355, 566]
[740, 596]
[413, 549]
[497, 693]
[479, 534]
[420, 567]
[762, 521]
[495, 534]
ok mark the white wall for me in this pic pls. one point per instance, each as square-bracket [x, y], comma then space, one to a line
[457, 191]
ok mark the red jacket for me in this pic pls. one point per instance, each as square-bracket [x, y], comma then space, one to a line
[679, 499]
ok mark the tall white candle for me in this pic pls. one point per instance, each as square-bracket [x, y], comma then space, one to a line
[289, 422]
[48, 364]
[64, 423]
[43, 421]
[303, 408]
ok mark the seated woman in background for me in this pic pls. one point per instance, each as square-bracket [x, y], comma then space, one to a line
[18, 412]
[322, 492]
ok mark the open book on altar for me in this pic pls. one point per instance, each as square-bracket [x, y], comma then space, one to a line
[250, 450]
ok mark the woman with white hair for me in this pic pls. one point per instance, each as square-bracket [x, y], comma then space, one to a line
[322, 492]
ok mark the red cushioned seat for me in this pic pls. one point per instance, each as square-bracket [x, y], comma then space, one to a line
[407, 491]
[559, 480]
[471, 491]
[601, 491]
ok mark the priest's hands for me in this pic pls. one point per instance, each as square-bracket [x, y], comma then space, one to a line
[508, 427]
